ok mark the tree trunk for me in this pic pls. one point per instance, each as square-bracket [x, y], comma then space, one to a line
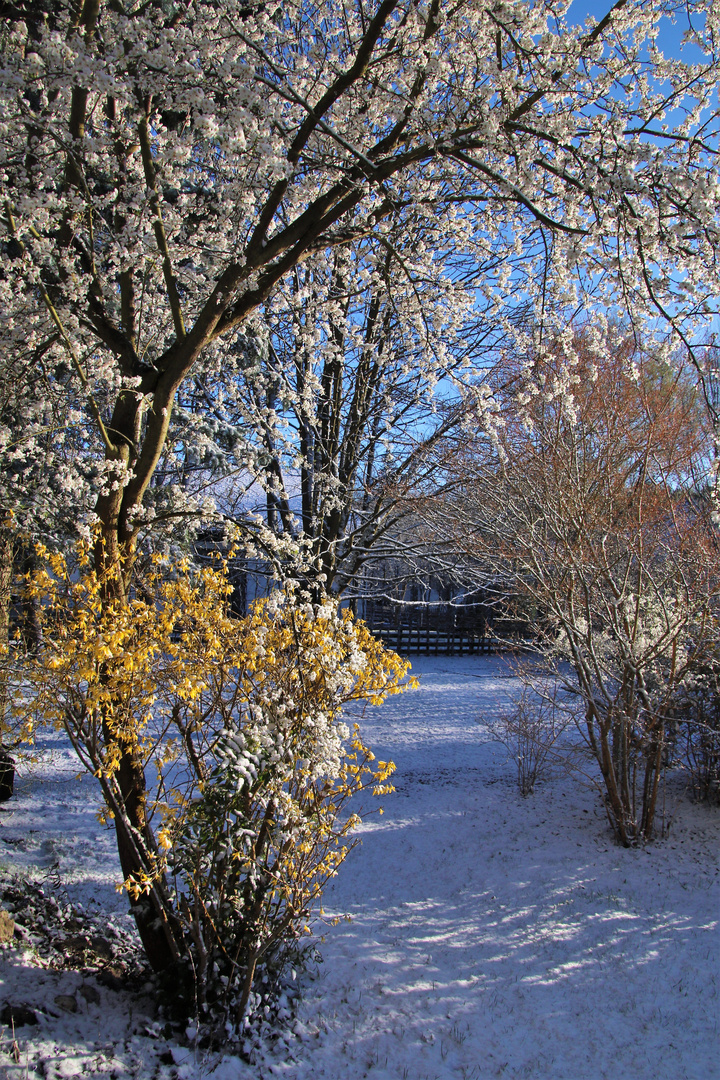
[156, 923]
[152, 912]
[7, 551]
[30, 632]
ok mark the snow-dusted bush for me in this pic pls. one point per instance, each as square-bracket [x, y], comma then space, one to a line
[530, 732]
[583, 501]
[232, 817]
[697, 731]
[251, 854]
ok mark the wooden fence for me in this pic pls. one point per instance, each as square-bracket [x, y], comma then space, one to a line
[434, 629]
[407, 640]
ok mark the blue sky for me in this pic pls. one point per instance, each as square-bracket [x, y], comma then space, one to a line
[669, 38]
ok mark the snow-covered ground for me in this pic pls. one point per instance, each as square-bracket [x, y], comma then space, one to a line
[490, 935]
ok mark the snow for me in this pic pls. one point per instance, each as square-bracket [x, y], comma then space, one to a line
[490, 935]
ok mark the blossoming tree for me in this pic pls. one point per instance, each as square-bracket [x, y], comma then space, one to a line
[165, 167]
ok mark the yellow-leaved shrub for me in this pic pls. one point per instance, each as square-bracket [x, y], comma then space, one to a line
[243, 765]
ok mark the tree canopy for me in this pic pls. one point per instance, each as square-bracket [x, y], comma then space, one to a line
[167, 166]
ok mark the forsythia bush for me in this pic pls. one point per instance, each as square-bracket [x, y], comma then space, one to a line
[242, 762]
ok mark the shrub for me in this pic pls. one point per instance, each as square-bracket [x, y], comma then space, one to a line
[530, 732]
[696, 730]
[241, 763]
